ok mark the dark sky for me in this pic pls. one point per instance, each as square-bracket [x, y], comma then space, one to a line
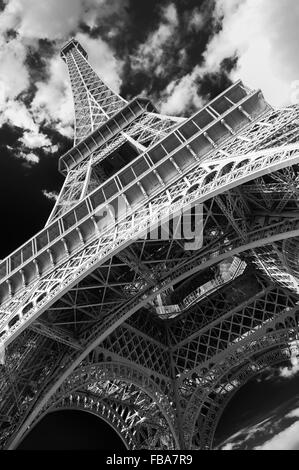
[23, 208]
[72, 430]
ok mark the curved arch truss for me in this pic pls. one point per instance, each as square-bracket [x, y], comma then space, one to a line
[125, 398]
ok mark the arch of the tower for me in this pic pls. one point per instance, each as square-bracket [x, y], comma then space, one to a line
[208, 403]
[123, 396]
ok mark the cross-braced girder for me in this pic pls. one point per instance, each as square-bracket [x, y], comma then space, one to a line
[123, 395]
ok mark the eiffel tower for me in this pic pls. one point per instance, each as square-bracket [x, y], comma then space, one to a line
[104, 312]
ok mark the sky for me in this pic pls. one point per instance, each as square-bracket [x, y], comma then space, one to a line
[72, 430]
[264, 414]
[178, 53]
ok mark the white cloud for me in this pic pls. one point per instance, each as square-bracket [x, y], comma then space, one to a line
[33, 140]
[53, 99]
[197, 20]
[264, 36]
[52, 19]
[178, 95]
[170, 14]
[55, 19]
[228, 446]
[261, 34]
[293, 414]
[103, 60]
[149, 55]
[52, 104]
[285, 440]
[289, 372]
[14, 80]
[16, 113]
[14, 76]
[50, 195]
[96, 11]
[30, 158]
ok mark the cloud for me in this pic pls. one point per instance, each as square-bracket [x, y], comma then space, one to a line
[245, 436]
[52, 19]
[197, 20]
[229, 446]
[96, 12]
[156, 56]
[263, 35]
[51, 195]
[289, 372]
[14, 76]
[16, 113]
[288, 439]
[34, 140]
[51, 99]
[293, 414]
[270, 429]
[52, 102]
[170, 14]
[49, 19]
[181, 94]
[30, 158]
[149, 55]
[14, 80]
[103, 60]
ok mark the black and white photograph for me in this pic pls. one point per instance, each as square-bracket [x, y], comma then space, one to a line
[149, 208]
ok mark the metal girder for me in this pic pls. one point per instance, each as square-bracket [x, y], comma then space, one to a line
[138, 403]
[55, 333]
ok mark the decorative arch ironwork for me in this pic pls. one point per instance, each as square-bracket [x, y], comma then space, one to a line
[114, 392]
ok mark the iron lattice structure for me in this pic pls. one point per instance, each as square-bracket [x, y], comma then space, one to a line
[151, 336]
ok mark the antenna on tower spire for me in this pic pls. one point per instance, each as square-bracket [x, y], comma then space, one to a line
[73, 43]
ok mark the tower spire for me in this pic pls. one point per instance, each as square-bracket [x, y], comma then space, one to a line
[94, 101]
